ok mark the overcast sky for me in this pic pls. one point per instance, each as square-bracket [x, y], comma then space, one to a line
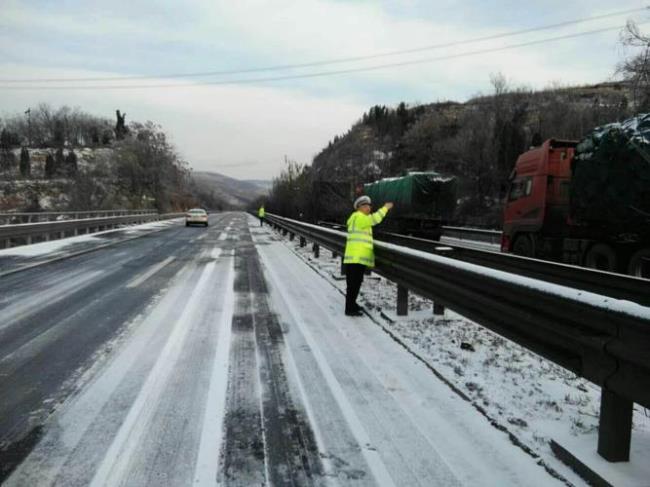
[245, 128]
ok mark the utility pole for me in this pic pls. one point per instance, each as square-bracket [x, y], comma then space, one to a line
[28, 112]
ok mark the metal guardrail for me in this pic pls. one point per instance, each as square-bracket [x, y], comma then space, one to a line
[59, 229]
[474, 234]
[14, 218]
[602, 339]
[617, 286]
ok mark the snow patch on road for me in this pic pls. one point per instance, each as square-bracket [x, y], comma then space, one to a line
[212, 435]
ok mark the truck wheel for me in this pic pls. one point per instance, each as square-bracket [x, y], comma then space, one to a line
[602, 257]
[523, 245]
[640, 264]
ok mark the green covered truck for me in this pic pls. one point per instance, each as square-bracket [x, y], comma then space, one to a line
[424, 201]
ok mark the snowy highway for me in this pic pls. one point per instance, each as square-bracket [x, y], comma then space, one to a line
[217, 356]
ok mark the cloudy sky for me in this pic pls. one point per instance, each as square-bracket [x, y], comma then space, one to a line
[239, 85]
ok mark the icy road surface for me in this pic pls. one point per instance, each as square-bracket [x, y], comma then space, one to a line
[218, 357]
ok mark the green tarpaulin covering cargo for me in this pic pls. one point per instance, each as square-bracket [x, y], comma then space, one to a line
[610, 185]
[418, 194]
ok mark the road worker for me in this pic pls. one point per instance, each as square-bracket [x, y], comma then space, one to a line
[359, 252]
[261, 213]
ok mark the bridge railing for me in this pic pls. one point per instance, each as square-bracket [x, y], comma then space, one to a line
[13, 218]
[600, 338]
[26, 233]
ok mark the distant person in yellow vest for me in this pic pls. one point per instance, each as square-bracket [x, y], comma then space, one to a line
[261, 213]
[359, 252]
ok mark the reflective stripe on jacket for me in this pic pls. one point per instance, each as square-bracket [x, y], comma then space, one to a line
[261, 212]
[358, 247]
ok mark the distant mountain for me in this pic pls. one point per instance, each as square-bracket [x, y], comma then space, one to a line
[234, 192]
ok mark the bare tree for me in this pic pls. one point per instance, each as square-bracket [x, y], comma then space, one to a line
[636, 69]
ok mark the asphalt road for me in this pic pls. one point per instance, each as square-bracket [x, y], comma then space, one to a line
[58, 320]
[217, 357]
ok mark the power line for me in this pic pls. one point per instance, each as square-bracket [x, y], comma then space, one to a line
[320, 73]
[331, 61]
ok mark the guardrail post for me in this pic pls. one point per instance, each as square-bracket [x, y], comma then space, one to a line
[292, 236]
[284, 232]
[334, 255]
[615, 427]
[316, 250]
[402, 300]
[303, 242]
[438, 309]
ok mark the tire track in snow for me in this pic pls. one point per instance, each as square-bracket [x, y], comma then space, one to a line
[268, 438]
[242, 458]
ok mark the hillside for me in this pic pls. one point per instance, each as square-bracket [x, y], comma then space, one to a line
[233, 192]
[477, 141]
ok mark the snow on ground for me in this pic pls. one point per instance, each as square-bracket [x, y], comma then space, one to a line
[531, 397]
[61, 245]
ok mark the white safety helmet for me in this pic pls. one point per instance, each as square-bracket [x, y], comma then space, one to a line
[362, 200]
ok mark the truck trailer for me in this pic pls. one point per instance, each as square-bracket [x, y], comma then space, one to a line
[584, 203]
[424, 201]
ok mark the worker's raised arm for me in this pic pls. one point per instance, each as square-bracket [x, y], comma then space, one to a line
[380, 214]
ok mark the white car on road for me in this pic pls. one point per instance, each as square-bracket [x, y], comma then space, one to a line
[196, 215]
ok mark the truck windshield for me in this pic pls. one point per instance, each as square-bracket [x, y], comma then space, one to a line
[520, 188]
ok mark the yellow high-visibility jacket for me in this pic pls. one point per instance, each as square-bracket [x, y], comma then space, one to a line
[359, 247]
[261, 212]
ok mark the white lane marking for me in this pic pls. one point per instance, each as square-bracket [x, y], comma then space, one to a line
[372, 456]
[150, 272]
[223, 236]
[115, 464]
[216, 252]
[206, 468]
[202, 236]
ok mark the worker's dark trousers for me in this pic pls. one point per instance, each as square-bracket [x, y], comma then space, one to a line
[261, 221]
[353, 278]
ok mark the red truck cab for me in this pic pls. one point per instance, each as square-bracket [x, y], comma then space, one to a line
[537, 221]
[538, 197]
